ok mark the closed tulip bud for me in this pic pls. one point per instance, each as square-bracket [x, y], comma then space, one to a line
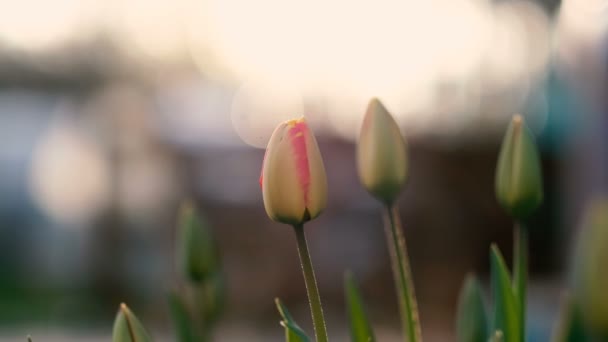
[381, 154]
[293, 178]
[518, 183]
[590, 277]
[127, 328]
[197, 255]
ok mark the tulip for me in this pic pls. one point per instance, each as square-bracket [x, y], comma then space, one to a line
[519, 187]
[295, 191]
[381, 154]
[382, 165]
[293, 178]
[590, 276]
[127, 328]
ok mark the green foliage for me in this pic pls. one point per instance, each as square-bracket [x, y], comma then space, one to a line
[569, 327]
[506, 307]
[518, 180]
[360, 327]
[590, 276]
[197, 255]
[472, 321]
[182, 322]
[199, 304]
[293, 332]
[127, 328]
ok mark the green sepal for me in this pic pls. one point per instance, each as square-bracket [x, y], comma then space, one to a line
[360, 327]
[293, 332]
[471, 319]
[506, 307]
[127, 328]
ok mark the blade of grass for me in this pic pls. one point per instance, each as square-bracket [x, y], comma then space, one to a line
[506, 308]
[360, 327]
[293, 332]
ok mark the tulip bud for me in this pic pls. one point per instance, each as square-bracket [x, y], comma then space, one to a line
[127, 328]
[518, 183]
[381, 154]
[197, 255]
[590, 276]
[293, 178]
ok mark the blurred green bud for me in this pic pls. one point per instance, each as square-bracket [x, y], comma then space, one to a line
[197, 255]
[127, 328]
[471, 319]
[519, 187]
[591, 268]
[381, 154]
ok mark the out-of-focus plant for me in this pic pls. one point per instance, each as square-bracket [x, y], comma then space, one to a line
[197, 306]
[360, 327]
[519, 190]
[590, 271]
[127, 328]
[294, 187]
[472, 320]
[382, 164]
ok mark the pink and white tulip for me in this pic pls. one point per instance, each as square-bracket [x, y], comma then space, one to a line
[293, 178]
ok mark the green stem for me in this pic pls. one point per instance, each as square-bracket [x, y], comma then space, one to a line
[402, 274]
[520, 272]
[311, 286]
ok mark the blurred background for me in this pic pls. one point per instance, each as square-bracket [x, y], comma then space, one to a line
[113, 112]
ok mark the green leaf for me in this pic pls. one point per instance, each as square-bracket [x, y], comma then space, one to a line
[182, 321]
[472, 322]
[506, 307]
[360, 327]
[197, 254]
[127, 328]
[570, 326]
[293, 332]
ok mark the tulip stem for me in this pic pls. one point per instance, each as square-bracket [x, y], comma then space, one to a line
[520, 272]
[403, 278]
[311, 285]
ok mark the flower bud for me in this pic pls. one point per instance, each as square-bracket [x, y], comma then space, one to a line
[127, 328]
[381, 154]
[197, 255]
[293, 178]
[590, 277]
[518, 183]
